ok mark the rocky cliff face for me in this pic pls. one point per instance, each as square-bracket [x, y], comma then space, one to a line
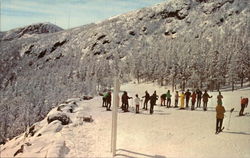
[39, 70]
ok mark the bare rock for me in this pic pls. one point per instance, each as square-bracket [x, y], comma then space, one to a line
[19, 151]
[87, 98]
[88, 119]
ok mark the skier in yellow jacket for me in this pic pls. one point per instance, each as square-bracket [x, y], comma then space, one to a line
[182, 97]
[220, 110]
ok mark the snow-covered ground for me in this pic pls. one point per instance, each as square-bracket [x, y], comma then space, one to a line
[166, 133]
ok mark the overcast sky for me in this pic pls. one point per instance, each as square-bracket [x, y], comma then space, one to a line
[17, 13]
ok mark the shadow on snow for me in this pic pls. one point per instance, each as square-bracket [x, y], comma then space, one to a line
[243, 133]
[137, 154]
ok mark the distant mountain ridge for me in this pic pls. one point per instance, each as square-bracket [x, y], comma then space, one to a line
[39, 28]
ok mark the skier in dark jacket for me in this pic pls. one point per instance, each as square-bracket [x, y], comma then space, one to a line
[199, 96]
[125, 99]
[147, 98]
[153, 99]
[187, 95]
[193, 96]
[219, 99]
[176, 99]
[108, 105]
[163, 99]
[205, 100]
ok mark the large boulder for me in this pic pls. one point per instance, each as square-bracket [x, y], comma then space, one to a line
[67, 108]
[53, 127]
[87, 97]
[59, 116]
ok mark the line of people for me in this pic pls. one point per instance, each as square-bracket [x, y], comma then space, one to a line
[196, 95]
[137, 100]
[183, 99]
[125, 101]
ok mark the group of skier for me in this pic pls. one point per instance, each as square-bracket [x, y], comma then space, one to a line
[196, 97]
[165, 100]
[181, 99]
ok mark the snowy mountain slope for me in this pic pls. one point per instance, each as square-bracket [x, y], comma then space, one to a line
[39, 71]
[166, 133]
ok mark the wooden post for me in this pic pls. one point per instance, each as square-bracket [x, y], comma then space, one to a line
[114, 116]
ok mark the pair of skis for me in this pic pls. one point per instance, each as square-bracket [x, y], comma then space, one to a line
[220, 130]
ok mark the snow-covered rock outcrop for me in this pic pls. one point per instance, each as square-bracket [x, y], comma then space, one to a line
[45, 138]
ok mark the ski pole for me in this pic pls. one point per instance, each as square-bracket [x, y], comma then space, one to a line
[132, 105]
[230, 118]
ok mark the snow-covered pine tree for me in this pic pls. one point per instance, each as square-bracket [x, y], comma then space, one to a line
[232, 73]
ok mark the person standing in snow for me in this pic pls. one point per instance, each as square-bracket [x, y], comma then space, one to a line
[153, 99]
[168, 95]
[205, 100]
[176, 99]
[108, 105]
[182, 97]
[187, 94]
[125, 99]
[244, 103]
[163, 99]
[104, 100]
[220, 110]
[193, 100]
[199, 96]
[137, 103]
[219, 99]
[147, 98]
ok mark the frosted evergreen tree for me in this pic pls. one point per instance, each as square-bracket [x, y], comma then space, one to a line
[232, 73]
